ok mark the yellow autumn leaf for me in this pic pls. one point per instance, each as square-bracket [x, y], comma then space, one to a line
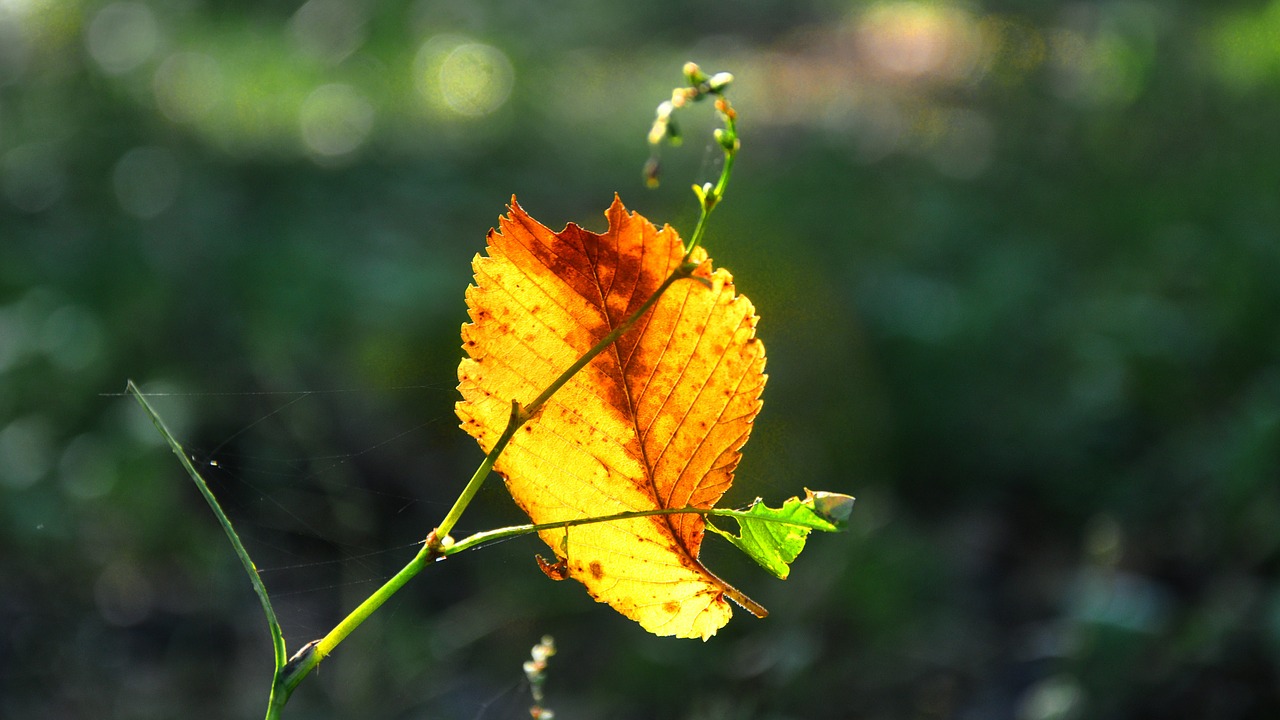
[655, 421]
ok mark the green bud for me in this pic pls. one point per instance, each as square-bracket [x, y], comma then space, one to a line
[719, 82]
[693, 74]
[701, 193]
[707, 195]
[727, 140]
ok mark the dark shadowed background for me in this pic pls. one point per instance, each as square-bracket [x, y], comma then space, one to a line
[1018, 268]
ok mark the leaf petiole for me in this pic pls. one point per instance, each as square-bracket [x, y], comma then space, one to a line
[487, 537]
[519, 416]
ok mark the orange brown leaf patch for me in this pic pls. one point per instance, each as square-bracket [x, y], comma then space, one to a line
[655, 421]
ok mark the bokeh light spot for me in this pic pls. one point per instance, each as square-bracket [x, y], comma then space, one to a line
[26, 447]
[335, 120]
[15, 49]
[72, 338]
[146, 181]
[912, 40]
[187, 86]
[1013, 46]
[329, 30]
[87, 469]
[1055, 698]
[1097, 69]
[1243, 46]
[475, 79]
[122, 36]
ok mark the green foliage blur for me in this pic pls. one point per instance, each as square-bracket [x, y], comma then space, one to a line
[1018, 267]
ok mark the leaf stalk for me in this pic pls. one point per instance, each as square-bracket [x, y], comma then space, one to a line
[489, 537]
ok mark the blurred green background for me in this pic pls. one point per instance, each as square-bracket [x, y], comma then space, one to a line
[1018, 267]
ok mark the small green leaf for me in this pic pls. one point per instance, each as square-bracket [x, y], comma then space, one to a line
[774, 537]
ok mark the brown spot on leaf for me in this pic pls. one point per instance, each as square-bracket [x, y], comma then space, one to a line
[597, 571]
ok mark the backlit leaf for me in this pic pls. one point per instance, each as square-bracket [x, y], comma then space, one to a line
[774, 537]
[655, 421]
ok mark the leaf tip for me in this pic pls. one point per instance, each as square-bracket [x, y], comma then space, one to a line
[832, 507]
[617, 214]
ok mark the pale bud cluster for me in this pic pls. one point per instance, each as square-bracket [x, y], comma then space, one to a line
[719, 82]
[661, 123]
[698, 85]
[535, 670]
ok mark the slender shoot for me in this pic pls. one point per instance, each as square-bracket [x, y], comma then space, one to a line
[273, 624]
[699, 85]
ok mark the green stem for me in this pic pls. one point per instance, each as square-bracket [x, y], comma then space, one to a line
[709, 199]
[506, 533]
[518, 418]
[437, 544]
[310, 656]
[273, 625]
[313, 654]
